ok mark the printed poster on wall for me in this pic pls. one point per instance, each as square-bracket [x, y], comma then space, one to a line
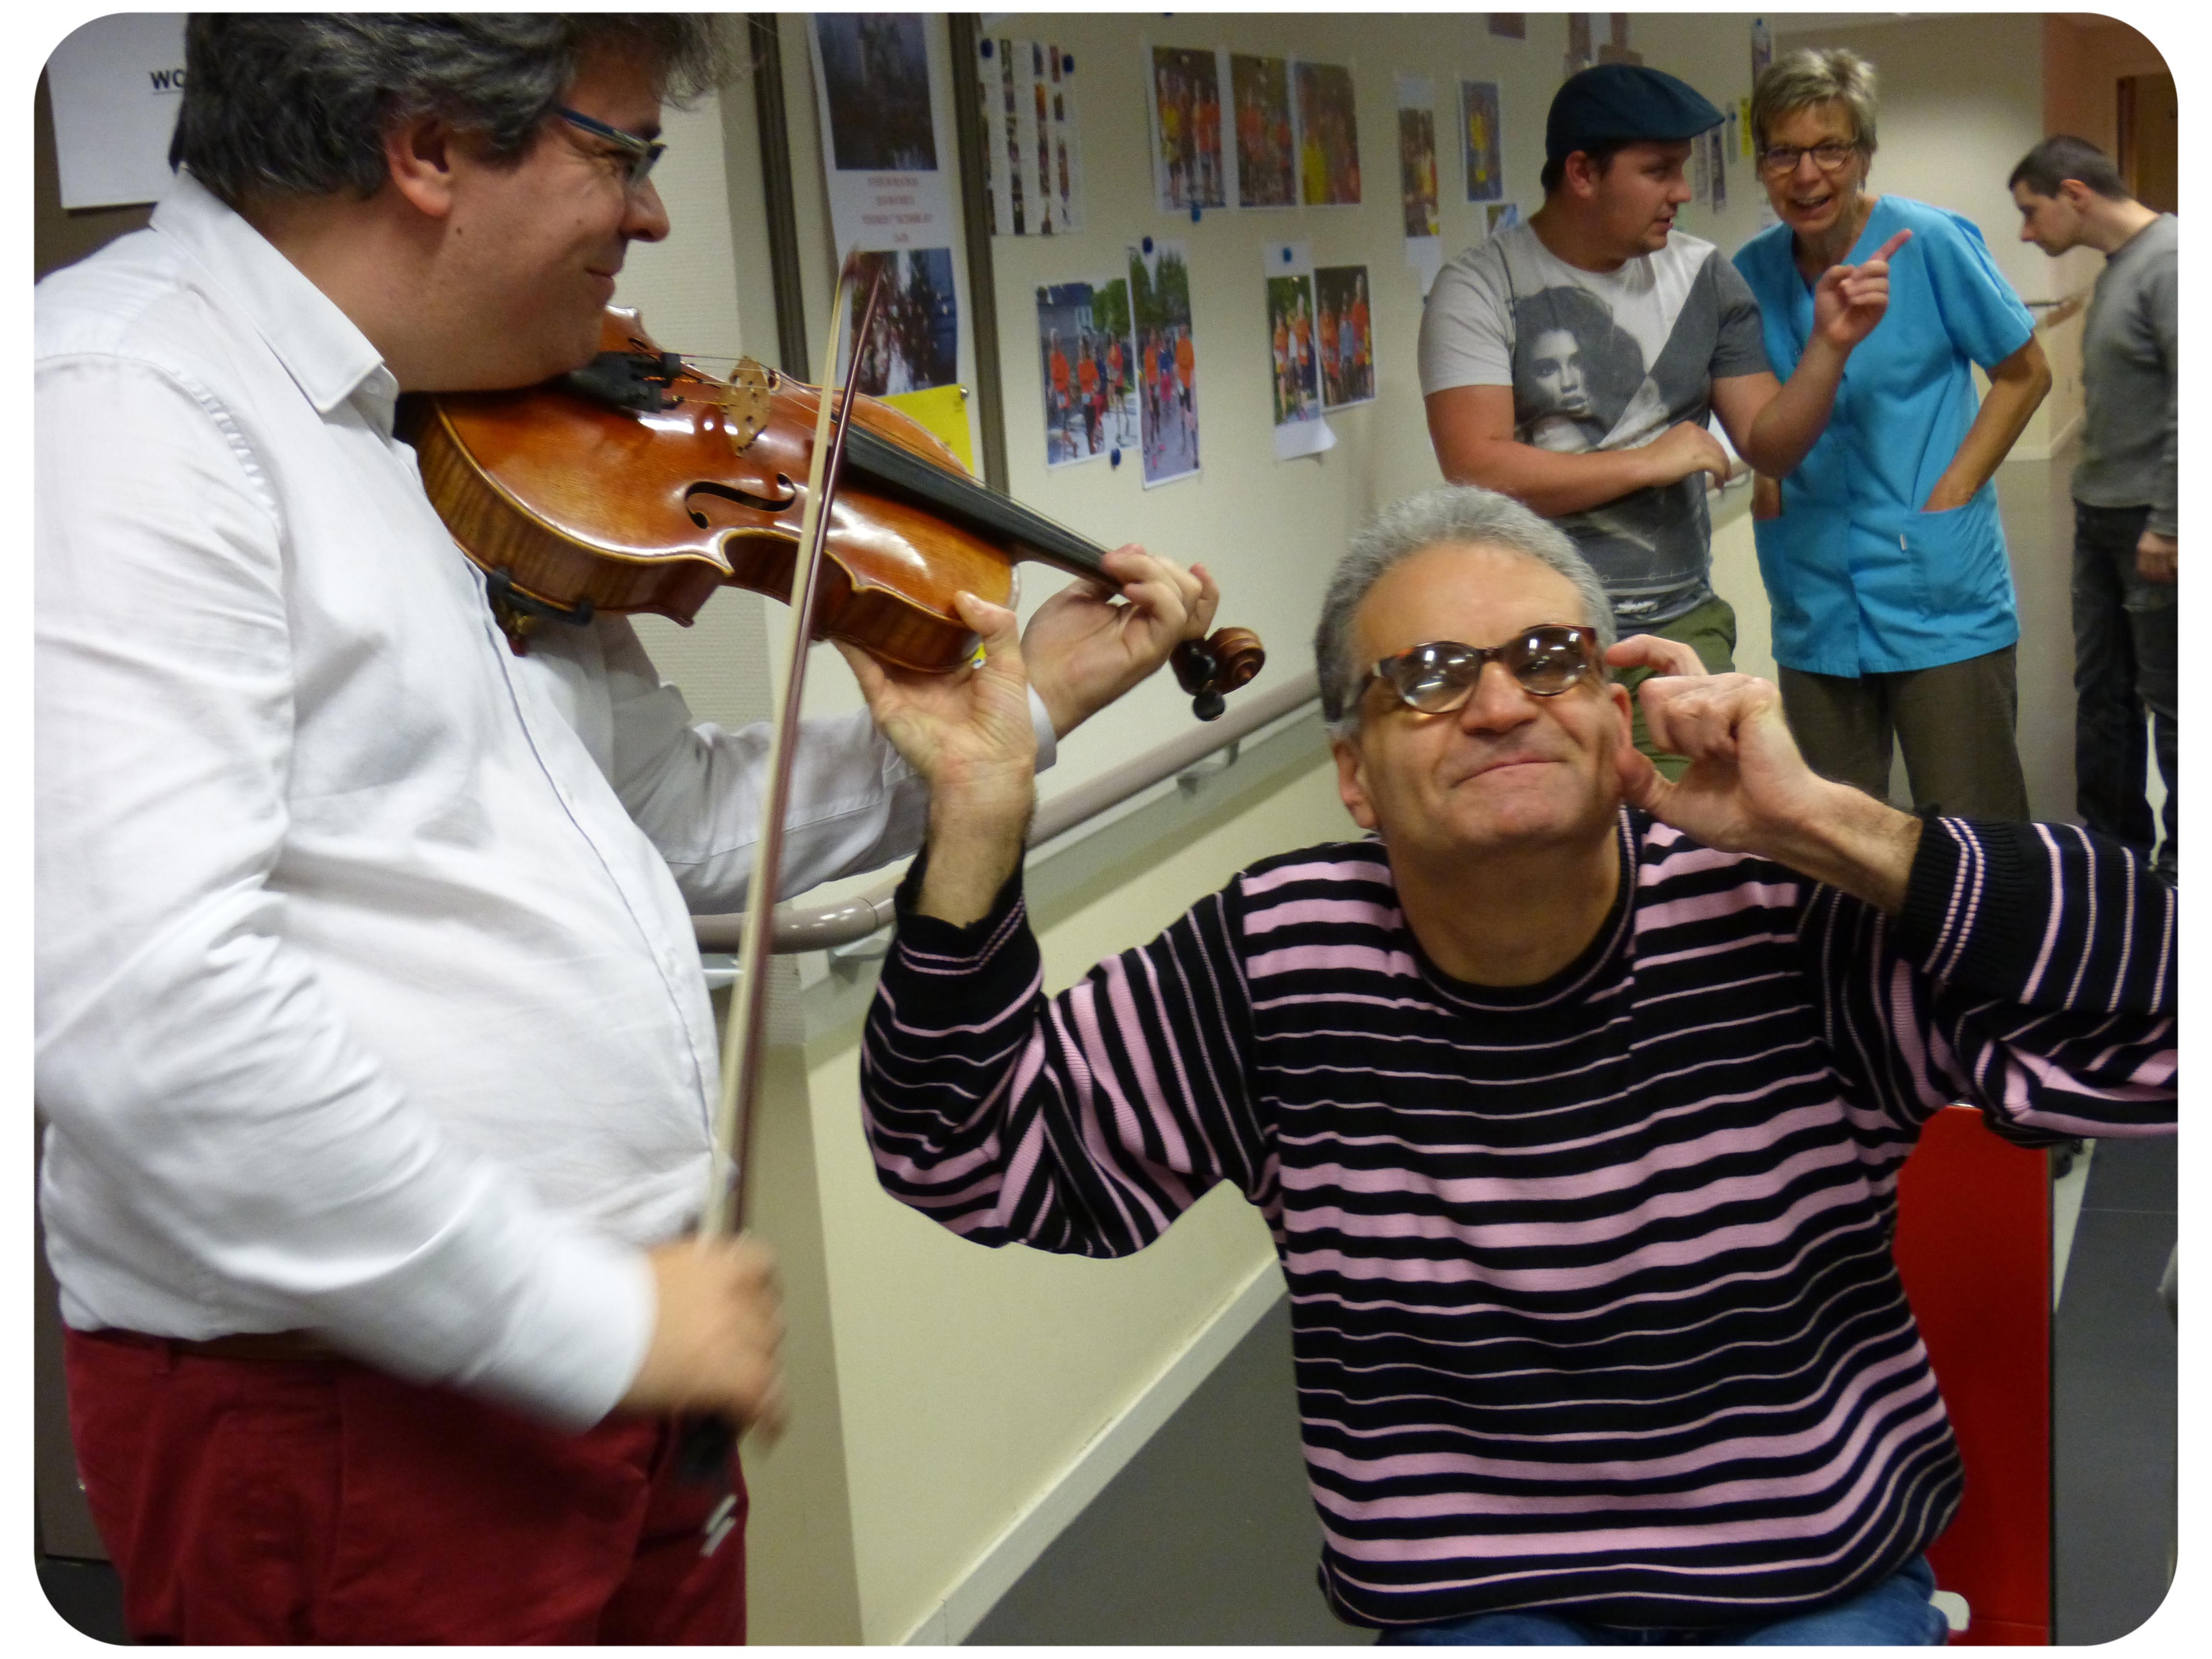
[1328, 135]
[912, 355]
[1266, 173]
[886, 154]
[1294, 351]
[1183, 110]
[1499, 216]
[1034, 165]
[1417, 177]
[1167, 359]
[1482, 135]
[1086, 361]
[1346, 336]
[915, 342]
[116, 83]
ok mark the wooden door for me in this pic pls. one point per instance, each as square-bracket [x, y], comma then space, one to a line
[2150, 150]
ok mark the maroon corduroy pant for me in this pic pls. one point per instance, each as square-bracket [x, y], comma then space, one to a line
[320, 1501]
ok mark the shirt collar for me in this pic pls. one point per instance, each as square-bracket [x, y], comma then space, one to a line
[329, 358]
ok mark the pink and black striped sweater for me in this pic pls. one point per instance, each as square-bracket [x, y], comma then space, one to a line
[1590, 1280]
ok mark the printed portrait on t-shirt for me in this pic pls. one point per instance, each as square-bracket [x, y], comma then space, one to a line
[1574, 369]
[1603, 360]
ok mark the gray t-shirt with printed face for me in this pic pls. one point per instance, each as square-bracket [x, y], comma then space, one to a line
[1604, 360]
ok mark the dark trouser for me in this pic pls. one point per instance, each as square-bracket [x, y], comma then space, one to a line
[261, 1501]
[1954, 723]
[1709, 630]
[2125, 665]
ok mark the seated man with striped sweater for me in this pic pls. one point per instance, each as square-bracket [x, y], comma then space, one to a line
[1575, 1098]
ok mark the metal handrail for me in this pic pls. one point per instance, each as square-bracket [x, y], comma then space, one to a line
[817, 927]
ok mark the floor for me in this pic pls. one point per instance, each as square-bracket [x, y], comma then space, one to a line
[2114, 1404]
[1207, 1535]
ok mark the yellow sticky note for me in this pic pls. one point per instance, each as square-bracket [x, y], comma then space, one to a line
[944, 410]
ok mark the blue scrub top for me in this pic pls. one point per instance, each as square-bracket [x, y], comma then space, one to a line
[1860, 580]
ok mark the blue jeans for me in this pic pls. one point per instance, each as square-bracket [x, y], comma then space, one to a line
[1895, 1614]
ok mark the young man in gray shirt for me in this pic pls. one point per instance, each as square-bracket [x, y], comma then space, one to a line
[2126, 527]
[1572, 362]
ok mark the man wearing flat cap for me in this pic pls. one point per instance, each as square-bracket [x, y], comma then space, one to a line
[1573, 361]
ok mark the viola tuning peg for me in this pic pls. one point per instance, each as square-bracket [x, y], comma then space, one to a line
[1208, 705]
[1196, 667]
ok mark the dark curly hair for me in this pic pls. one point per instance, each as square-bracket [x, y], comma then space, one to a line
[299, 105]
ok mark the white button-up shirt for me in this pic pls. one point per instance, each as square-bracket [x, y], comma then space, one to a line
[363, 1005]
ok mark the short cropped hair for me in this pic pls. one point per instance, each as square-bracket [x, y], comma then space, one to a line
[1800, 80]
[1600, 155]
[1456, 515]
[283, 105]
[2062, 156]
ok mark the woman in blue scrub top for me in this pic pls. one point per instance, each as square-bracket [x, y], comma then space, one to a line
[1885, 565]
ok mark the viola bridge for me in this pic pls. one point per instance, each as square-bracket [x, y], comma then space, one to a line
[745, 404]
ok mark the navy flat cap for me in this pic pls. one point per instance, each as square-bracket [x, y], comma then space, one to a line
[1610, 103]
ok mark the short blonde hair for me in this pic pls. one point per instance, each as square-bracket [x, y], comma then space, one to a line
[1815, 76]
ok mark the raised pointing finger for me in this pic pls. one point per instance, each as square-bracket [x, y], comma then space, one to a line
[1892, 244]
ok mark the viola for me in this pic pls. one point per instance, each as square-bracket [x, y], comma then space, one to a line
[642, 483]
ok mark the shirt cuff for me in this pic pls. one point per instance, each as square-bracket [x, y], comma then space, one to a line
[1041, 722]
[933, 944]
[572, 1357]
[1973, 909]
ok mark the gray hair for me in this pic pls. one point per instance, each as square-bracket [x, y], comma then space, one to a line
[1828, 75]
[298, 105]
[1456, 515]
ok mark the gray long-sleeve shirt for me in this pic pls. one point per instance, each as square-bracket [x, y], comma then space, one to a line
[2128, 375]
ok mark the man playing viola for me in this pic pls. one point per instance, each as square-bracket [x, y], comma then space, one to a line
[373, 1043]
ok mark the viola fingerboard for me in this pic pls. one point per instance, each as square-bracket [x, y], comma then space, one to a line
[973, 506]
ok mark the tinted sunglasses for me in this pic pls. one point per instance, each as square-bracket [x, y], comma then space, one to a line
[1441, 676]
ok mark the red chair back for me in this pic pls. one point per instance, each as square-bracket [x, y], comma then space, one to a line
[1973, 1247]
